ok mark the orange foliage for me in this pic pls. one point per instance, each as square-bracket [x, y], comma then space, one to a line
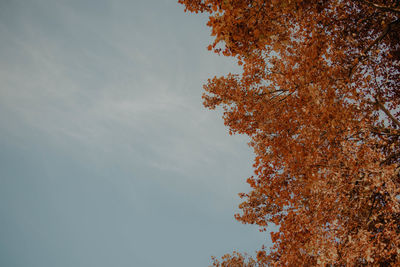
[319, 97]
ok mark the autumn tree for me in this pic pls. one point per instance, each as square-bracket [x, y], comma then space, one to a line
[319, 98]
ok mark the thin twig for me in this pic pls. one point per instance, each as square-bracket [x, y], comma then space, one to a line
[363, 54]
[381, 7]
[387, 112]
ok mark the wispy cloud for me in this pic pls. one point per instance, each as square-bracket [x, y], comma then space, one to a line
[101, 103]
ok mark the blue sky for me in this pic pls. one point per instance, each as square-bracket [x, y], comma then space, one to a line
[107, 156]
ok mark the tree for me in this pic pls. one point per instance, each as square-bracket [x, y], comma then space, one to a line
[319, 98]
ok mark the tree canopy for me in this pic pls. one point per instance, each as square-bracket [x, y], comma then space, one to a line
[319, 98]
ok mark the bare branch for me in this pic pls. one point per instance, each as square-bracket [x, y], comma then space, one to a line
[387, 112]
[384, 131]
[381, 7]
[363, 54]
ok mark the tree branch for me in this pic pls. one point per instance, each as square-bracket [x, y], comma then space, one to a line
[390, 157]
[363, 54]
[387, 112]
[381, 7]
[384, 131]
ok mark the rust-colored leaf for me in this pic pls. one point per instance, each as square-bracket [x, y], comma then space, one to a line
[319, 97]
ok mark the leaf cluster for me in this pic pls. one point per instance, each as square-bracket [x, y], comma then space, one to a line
[319, 97]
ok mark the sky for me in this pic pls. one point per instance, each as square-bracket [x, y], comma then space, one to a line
[107, 156]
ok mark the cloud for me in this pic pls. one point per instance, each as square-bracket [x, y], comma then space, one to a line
[100, 105]
[111, 87]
